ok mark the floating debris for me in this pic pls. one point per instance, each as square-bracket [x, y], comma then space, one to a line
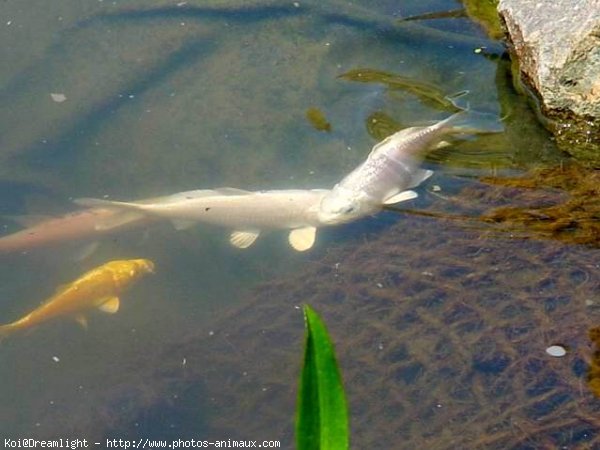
[317, 119]
[558, 351]
[58, 98]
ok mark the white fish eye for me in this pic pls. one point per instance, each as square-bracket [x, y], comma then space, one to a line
[347, 209]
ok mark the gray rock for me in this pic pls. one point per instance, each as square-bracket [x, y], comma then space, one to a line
[557, 44]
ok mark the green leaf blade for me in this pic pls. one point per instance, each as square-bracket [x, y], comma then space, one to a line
[322, 416]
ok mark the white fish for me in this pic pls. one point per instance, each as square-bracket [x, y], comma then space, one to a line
[393, 168]
[245, 212]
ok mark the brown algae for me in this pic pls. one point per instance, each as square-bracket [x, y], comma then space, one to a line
[564, 204]
[593, 371]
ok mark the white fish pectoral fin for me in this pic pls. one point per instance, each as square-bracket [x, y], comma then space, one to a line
[302, 239]
[182, 224]
[110, 306]
[243, 239]
[401, 197]
[82, 320]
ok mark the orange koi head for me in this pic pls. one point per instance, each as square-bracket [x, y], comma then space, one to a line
[125, 272]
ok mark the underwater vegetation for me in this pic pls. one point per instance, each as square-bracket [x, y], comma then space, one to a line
[593, 371]
[430, 94]
[562, 204]
[380, 125]
[442, 346]
[580, 138]
[482, 12]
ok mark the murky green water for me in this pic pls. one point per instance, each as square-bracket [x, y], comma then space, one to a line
[166, 96]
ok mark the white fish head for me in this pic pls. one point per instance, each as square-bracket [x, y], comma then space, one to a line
[344, 205]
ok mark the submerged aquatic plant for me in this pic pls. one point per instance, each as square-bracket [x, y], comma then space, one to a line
[322, 413]
[381, 125]
[567, 206]
[428, 93]
[483, 12]
[593, 371]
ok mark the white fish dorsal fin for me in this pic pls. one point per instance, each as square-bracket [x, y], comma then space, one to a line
[182, 224]
[377, 146]
[110, 305]
[82, 320]
[398, 135]
[231, 191]
[118, 219]
[302, 239]
[401, 197]
[243, 239]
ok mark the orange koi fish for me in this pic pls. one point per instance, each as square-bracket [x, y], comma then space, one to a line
[98, 288]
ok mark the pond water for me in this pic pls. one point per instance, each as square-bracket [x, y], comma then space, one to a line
[495, 262]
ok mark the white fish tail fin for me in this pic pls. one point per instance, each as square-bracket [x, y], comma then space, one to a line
[473, 122]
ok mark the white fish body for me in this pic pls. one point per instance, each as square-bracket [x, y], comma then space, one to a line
[392, 169]
[245, 212]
